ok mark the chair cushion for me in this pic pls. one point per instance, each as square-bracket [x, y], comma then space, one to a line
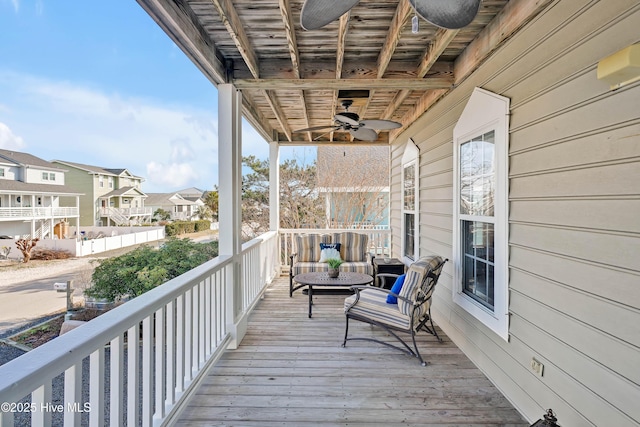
[372, 304]
[308, 246]
[396, 288]
[353, 245]
[413, 282]
[329, 251]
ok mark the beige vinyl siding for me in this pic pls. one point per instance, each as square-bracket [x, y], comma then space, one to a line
[574, 216]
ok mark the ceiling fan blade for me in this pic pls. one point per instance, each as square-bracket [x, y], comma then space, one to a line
[318, 13]
[364, 134]
[380, 124]
[450, 14]
[346, 117]
[311, 129]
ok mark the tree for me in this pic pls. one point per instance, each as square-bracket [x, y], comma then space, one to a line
[300, 203]
[211, 201]
[355, 181]
[161, 215]
[25, 246]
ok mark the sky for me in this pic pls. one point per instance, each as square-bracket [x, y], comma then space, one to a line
[99, 83]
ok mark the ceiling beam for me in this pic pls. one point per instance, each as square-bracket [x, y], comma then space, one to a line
[343, 29]
[280, 116]
[510, 19]
[514, 16]
[232, 23]
[393, 36]
[389, 47]
[441, 40]
[337, 84]
[292, 44]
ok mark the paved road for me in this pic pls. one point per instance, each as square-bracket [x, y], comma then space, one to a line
[21, 303]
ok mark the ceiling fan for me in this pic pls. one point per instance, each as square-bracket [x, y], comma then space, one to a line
[450, 14]
[364, 130]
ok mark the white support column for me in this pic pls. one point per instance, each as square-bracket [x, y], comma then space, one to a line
[230, 209]
[274, 186]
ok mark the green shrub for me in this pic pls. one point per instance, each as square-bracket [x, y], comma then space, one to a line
[183, 227]
[144, 268]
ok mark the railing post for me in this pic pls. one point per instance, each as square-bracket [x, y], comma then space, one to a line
[230, 212]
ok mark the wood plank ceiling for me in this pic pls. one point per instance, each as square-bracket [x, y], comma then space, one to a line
[293, 79]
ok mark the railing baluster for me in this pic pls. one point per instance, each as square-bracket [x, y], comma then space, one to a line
[180, 343]
[133, 375]
[188, 337]
[160, 367]
[201, 325]
[73, 394]
[42, 396]
[96, 387]
[209, 329]
[147, 372]
[115, 385]
[170, 355]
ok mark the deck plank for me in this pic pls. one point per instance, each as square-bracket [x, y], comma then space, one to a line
[293, 371]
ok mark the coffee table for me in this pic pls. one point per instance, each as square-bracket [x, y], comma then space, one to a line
[346, 279]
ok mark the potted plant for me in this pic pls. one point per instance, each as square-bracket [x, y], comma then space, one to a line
[334, 265]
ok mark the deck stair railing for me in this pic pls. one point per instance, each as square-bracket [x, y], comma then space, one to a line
[143, 359]
[116, 216]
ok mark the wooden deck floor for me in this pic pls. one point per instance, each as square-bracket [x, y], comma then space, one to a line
[292, 371]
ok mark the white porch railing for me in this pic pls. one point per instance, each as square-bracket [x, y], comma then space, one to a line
[159, 346]
[379, 239]
[38, 212]
[127, 212]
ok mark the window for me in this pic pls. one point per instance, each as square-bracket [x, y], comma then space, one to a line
[1, 172]
[101, 181]
[480, 245]
[45, 176]
[52, 176]
[410, 202]
[110, 182]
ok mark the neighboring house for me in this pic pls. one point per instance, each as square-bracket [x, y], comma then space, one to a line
[355, 181]
[34, 200]
[111, 196]
[176, 205]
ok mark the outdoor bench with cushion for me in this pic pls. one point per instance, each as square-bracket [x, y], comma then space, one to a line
[307, 254]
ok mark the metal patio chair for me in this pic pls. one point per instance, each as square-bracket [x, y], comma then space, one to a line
[412, 312]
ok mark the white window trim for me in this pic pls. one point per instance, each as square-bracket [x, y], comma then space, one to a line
[486, 111]
[411, 156]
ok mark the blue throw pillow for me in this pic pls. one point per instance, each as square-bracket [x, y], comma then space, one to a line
[396, 288]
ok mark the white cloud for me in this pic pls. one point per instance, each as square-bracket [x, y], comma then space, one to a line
[8, 140]
[173, 175]
[175, 145]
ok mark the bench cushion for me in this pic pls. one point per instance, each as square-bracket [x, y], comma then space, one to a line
[311, 267]
[353, 245]
[372, 304]
[308, 246]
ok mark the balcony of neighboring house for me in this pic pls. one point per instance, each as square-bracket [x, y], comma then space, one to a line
[33, 213]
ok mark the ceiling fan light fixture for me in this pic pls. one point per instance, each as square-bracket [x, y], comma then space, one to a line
[318, 13]
[448, 14]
